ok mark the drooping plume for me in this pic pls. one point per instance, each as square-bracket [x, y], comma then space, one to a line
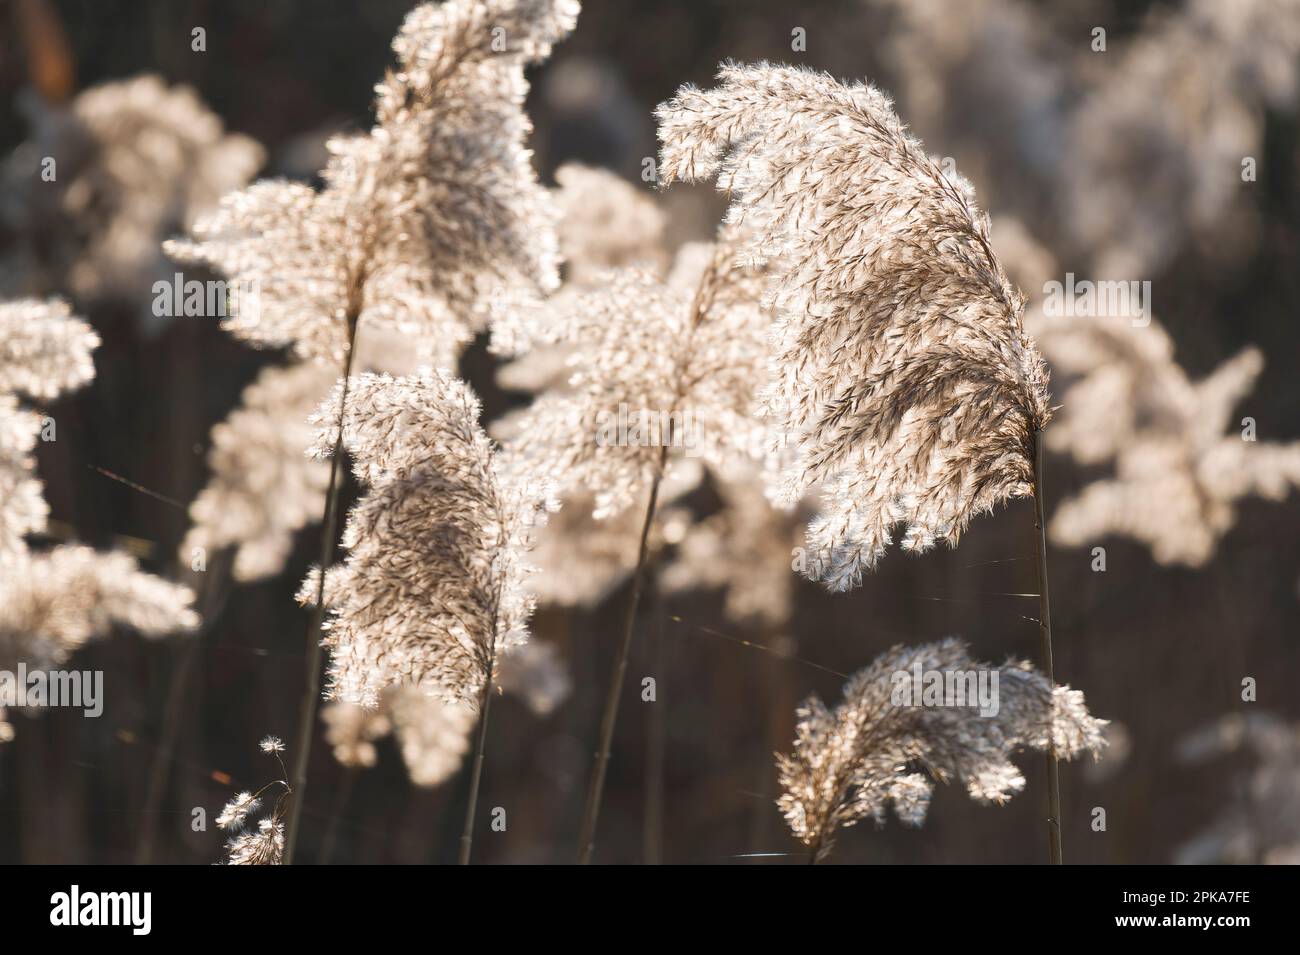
[54, 601]
[423, 223]
[889, 742]
[432, 591]
[433, 734]
[901, 373]
[1181, 460]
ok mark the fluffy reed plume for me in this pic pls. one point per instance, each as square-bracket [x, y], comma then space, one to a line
[263, 486]
[431, 593]
[432, 734]
[423, 221]
[136, 160]
[605, 223]
[901, 371]
[265, 844]
[580, 560]
[744, 550]
[660, 365]
[657, 366]
[432, 590]
[1261, 823]
[43, 351]
[53, 602]
[1180, 460]
[1139, 180]
[883, 747]
[423, 225]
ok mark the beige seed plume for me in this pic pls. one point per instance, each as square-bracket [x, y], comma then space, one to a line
[744, 550]
[52, 602]
[605, 223]
[433, 734]
[432, 590]
[263, 486]
[675, 359]
[876, 750]
[901, 372]
[44, 352]
[424, 222]
[1180, 458]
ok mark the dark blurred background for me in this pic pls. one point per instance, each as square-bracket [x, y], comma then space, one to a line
[1159, 650]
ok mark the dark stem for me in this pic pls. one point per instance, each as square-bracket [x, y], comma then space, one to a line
[652, 835]
[590, 816]
[336, 817]
[1045, 634]
[328, 541]
[178, 694]
[485, 706]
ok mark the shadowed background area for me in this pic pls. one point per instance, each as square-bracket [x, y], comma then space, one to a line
[1004, 88]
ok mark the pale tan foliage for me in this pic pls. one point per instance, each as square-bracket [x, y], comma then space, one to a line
[746, 550]
[44, 350]
[581, 560]
[422, 223]
[432, 590]
[1180, 459]
[878, 749]
[605, 223]
[263, 486]
[136, 160]
[901, 373]
[351, 729]
[53, 602]
[675, 360]
[432, 734]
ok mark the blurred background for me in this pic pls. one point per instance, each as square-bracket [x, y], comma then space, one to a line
[1126, 160]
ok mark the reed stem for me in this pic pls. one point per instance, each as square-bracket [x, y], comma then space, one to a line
[1045, 635]
[590, 816]
[328, 542]
[485, 705]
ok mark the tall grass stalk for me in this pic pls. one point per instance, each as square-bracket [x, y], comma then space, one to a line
[595, 792]
[328, 544]
[1045, 636]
